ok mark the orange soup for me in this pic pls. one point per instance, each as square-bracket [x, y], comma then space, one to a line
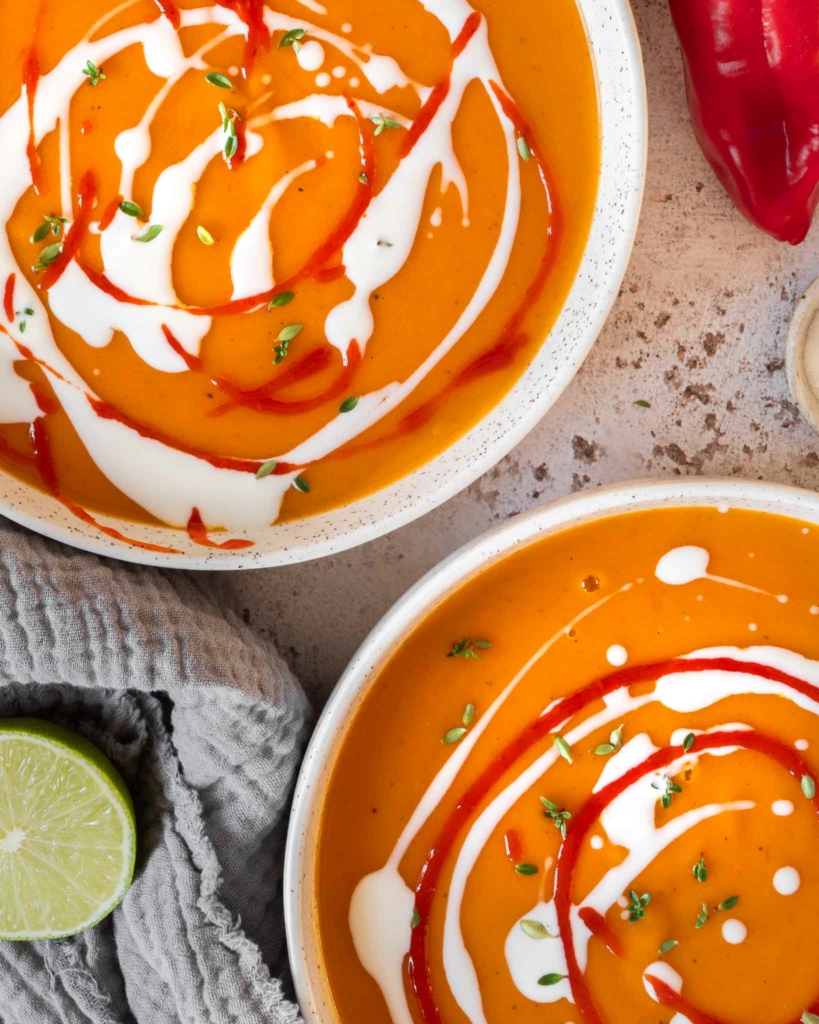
[261, 261]
[583, 789]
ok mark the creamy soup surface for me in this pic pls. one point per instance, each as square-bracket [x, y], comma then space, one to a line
[262, 260]
[583, 789]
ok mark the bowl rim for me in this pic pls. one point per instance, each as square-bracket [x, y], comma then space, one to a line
[433, 588]
[622, 100]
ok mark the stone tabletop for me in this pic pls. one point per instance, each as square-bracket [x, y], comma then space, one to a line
[698, 332]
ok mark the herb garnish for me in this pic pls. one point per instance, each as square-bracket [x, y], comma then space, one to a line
[526, 869]
[466, 649]
[150, 234]
[281, 299]
[558, 815]
[810, 1018]
[266, 469]
[348, 404]
[643, 403]
[729, 904]
[48, 255]
[415, 920]
[229, 118]
[667, 946]
[700, 870]
[668, 788]
[363, 178]
[204, 236]
[535, 930]
[292, 38]
[564, 749]
[50, 223]
[220, 81]
[808, 787]
[454, 735]
[688, 742]
[469, 714]
[382, 122]
[95, 75]
[550, 979]
[301, 485]
[703, 917]
[614, 744]
[22, 322]
[131, 209]
[286, 335]
[523, 148]
[637, 906]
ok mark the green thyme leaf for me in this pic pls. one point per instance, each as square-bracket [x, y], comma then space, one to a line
[281, 299]
[292, 38]
[523, 148]
[266, 469]
[363, 179]
[667, 946]
[22, 326]
[466, 648]
[700, 870]
[688, 742]
[524, 869]
[204, 236]
[301, 485]
[131, 209]
[95, 75]
[289, 332]
[637, 906]
[469, 714]
[348, 404]
[564, 749]
[810, 1018]
[604, 749]
[808, 787]
[550, 979]
[643, 403]
[219, 80]
[535, 930]
[48, 255]
[150, 234]
[41, 233]
[231, 145]
[558, 815]
[382, 122]
[730, 903]
[415, 920]
[454, 735]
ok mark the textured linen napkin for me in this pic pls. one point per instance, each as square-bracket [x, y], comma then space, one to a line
[206, 725]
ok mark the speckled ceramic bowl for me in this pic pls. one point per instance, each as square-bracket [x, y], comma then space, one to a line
[303, 838]
[621, 89]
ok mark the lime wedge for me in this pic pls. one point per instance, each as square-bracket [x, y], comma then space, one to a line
[67, 832]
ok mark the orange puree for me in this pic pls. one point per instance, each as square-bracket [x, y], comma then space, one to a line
[723, 903]
[228, 399]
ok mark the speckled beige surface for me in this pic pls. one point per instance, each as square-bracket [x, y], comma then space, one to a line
[698, 332]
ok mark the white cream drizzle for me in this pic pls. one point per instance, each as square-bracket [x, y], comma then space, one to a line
[225, 497]
[787, 881]
[630, 821]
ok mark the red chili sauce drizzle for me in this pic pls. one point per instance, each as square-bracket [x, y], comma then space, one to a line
[31, 79]
[170, 10]
[86, 198]
[513, 846]
[599, 927]
[107, 218]
[8, 298]
[258, 38]
[418, 962]
[198, 533]
[48, 475]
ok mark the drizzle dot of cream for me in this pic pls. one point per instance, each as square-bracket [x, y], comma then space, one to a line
[782, 808]
[786, 881]
[814, 609]
[323, 80]
[734, 932]
[340, 71]
[617, 655]
[782, 598]
[596, 842]
[801, 744]
[310, 55]
[805, 529]
[346, 28]
[752, 626]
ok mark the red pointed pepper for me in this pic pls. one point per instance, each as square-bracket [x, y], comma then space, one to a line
[752, 78]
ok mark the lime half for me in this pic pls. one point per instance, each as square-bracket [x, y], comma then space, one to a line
[67, 832]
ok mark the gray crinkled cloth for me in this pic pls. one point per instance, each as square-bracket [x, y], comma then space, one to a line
[206, 725]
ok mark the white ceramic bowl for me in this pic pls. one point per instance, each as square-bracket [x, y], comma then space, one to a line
[621, 89]
[302, 840]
